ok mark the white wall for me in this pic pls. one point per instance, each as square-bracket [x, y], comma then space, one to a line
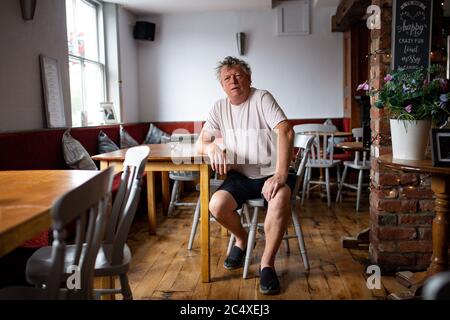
[110, 12]
[176, 72]
[21, 102]
[128, 67]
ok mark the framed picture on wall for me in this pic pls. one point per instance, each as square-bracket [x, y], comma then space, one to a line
[440, 147]
[53, 95]
[109, 115]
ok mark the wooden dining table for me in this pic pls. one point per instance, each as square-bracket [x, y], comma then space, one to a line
[173, 156]
[26, 199]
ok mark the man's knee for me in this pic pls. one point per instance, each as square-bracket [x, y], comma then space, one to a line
[220, 205]
[282, 199]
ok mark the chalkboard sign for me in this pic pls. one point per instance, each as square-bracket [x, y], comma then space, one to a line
[411, 34]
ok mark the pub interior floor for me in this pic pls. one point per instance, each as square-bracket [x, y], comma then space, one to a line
[163, 268]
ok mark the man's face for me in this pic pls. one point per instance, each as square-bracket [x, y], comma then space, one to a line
[236, 83]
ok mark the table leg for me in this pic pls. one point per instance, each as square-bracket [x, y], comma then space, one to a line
[151, 203]
[165, 185]
[440, 230]
[204, 223]
[440, 234]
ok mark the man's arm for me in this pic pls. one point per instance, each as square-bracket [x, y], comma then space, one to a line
[285, 144]
[207, 143]
[204, 140]
[285, 139]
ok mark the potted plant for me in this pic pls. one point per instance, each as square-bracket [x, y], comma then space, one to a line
[414, 100]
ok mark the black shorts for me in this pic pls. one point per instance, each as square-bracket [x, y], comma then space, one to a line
[243, 188]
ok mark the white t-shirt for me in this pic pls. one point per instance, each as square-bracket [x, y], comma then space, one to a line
[248, 132]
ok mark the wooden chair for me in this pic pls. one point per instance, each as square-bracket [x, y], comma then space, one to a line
[181, 176]
[214, 184]
[114, 256]
[356, 164]
[321, 156]
[303, 143]
[87, 207]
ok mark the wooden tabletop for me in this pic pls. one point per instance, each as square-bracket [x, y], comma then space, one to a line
[352, 146]
[26, 198]
[158, 152]
[412, 165]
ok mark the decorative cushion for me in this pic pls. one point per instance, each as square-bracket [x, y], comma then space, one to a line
[105, 144]
[75, 155]
[155, 135]
[126, 140]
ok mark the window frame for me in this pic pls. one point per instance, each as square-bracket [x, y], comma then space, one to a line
[101, 63]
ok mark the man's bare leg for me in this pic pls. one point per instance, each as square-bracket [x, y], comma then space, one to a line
[223, 207]
[275, 224]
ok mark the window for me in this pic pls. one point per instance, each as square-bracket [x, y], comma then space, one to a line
[86, 61]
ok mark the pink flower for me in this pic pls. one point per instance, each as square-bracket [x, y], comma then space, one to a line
[363, 86]
[388, 77]
[408, 108]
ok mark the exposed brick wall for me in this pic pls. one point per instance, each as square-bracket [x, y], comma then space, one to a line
[401, 203]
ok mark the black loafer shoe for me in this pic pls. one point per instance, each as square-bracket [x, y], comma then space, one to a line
[269, 284]
[235, 259]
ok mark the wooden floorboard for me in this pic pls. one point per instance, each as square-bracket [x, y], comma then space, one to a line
[163, 268]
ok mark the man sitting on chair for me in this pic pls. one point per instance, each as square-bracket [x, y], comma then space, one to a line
[255, 131]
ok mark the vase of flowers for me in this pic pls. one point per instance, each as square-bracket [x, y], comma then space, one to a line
[414, 100]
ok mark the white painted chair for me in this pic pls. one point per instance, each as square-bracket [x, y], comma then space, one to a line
[356, 164]
[181, 176]
[114, 256]
[214, 184]
[86, 208]
[320, 157]
[304, 143]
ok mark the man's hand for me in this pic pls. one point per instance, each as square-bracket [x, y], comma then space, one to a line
[218, 158]
[272, 185]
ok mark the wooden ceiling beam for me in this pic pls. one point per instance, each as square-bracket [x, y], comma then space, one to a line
[348, 13]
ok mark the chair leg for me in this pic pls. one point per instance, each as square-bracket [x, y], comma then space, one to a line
[341, 184]
[358, 195]
[305, 182]
[251, 241]
[286, 242]
[125, 287]
[246, 214]
[327, 182]
[178, 193]
[173, 197]
[338, 174]
[195, 221]
[301, 242]
[308, 183]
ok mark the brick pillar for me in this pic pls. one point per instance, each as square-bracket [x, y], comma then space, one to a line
[401, 203]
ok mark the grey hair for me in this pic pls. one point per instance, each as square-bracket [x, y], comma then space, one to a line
[231, 62]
